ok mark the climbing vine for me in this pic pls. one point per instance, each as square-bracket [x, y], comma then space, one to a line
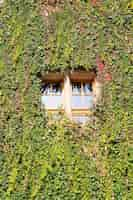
[40, 159]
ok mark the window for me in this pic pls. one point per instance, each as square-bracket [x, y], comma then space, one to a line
[87, 88]
[82, 97]
[81, 88]
[51, 89]
[51, 95]
[75, 93]
[76, 88]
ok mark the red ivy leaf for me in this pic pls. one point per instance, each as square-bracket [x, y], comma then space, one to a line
[100, 64]
[95, 2]
[108, 77]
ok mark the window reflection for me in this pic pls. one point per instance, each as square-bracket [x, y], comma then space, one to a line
[56, 88]
[82, 96]
[51, 102]
[87, 88]
[82, 102]
[45, 89]
[81, 88]
[76, 88]
[51, 89]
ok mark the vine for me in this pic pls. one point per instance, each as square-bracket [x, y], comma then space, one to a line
[40, 159]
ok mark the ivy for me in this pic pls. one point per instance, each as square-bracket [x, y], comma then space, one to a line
[41, 159]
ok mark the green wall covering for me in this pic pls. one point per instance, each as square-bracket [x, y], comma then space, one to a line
[45, 160]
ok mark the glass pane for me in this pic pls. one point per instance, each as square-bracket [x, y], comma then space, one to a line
[45, 89]
[51, 88]
[79, 101]
[56, 88]
[87, 88]
[76, 88]
[51, 102]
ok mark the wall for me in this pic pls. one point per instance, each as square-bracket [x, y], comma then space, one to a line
[41, 160]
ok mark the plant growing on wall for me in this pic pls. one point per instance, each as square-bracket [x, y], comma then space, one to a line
[44, 160]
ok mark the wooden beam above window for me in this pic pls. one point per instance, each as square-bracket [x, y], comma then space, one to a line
[52, 77]
[85, 76]
[76, 76]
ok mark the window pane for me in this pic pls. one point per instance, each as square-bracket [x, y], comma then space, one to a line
[56, 88]
[51, 96]
[87, 88]
[76, 88]
[79, 101]
[45, 89]
[51, 88]
[51, 102]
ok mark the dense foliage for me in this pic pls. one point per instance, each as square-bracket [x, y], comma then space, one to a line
[40, 159]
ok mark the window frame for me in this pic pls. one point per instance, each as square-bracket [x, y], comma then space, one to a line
[66, 85]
